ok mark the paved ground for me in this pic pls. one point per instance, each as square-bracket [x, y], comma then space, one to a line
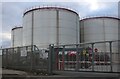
[87, 74]
[14, 74]
[8, 73]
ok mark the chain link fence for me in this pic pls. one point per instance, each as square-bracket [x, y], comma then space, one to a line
[28, 58]
[98, 56]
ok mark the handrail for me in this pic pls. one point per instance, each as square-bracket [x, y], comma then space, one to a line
[87, 43]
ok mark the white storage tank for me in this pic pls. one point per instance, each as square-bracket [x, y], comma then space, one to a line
[50, 25]
[97, 29]
[16, 36]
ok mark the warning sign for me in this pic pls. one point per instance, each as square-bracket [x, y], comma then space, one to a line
[23, 52]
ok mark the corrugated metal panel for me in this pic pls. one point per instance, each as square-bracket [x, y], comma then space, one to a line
[50, 26]
[27, 29]
[99, 29]
[17, 36]
[68, 27]
[44, 28]
[102, 29]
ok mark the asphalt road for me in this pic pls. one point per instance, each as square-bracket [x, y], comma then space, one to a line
[14, 74]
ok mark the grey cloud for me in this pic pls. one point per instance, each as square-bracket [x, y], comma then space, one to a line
[110, 10]
[6, 43]
[13, 11]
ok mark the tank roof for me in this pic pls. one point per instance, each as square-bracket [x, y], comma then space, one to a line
[100, 17]
[16, 28]
[39, 8]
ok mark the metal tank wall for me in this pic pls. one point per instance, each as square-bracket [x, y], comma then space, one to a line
[50, 25]
[101, 29]
[16, 36]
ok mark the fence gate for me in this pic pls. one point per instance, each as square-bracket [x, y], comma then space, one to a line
[97, 56]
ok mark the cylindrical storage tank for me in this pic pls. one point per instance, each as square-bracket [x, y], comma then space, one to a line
[16, 36]
[50, 25]
[97, 29]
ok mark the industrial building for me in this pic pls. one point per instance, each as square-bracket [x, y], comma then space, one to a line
[67, 37]
[105, 28]
[49, 25]
[16, 36]
[55, 25]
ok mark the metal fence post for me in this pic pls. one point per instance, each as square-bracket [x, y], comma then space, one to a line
[77, 58]
[63, 58]
[92, 56]
[53, 58]
[18, 56]
[110, 44]
[50, 59]
[57, 58]
[31, 58]
[6, 58]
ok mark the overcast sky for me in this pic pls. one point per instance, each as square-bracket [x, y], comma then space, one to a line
[12, 12]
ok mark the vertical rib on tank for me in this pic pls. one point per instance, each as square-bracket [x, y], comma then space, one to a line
[97, 29]
[17, 36]
[50, 25]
